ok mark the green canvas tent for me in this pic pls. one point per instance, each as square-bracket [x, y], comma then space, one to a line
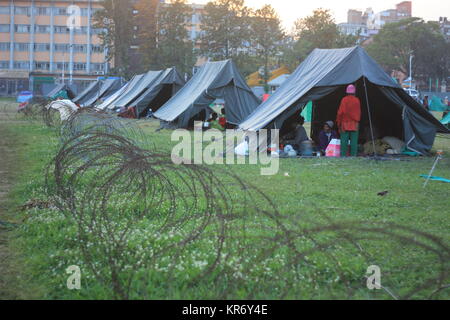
[387, 110]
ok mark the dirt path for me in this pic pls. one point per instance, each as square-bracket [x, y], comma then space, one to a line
[8, 157]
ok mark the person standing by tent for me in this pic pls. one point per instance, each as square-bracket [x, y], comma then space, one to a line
[348, 118]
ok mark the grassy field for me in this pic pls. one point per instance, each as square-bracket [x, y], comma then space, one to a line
[306, 192]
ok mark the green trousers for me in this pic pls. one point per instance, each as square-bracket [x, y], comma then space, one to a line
[353, 136]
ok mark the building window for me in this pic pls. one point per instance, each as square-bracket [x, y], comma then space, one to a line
[78, 66]
[42, 65]
[84, 12]
[43, 11]
[95, 67]
[42, 29]
[62, 29]
[22, 28]
[4, 64]
[79, 48]
[21, 65]
[4, 28]
[80, 30]
[61, 66]
[41, 47]
[19, 46]
[5, 46]
[60, 11]
[96, 48]
[61, 47]
[4, 10]
[22, 11]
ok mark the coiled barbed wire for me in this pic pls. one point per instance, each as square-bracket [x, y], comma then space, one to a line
[138, 213]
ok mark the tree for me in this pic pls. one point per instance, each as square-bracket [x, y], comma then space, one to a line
[267, 35]
[395, 42]
[173, 46]
[146, 22]
[316, 31]
[226, 28]
[116, 19]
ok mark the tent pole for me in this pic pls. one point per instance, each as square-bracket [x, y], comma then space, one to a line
[370, 117]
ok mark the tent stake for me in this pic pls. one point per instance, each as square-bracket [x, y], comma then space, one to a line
[439, 157]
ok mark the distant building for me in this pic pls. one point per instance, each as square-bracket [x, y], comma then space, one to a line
[368, 23]
[354, 30]
[402, 11]
[356, 17]
[38, 48]
[444, 24]
[195, 26]
[195, 30]
[276, 83]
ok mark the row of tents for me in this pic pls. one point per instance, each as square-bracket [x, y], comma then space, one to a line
[322, 78]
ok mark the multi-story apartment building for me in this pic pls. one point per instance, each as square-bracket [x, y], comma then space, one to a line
[48, 41]
[368, 23]
[195, 29]
[444, 24]
[402, 11]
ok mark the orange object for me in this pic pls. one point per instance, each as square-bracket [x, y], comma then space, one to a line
[349, 114]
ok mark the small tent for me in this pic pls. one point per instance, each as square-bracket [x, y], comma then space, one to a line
[109, 103]
[151, 89]
[61, 91]
[214, 80]
[387, 110]
[164, 87]
[108, 88]
[99, 89]
[136, 90]
[87, 93]
[446, 119]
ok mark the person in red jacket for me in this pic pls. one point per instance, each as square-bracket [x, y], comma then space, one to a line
[348, 118]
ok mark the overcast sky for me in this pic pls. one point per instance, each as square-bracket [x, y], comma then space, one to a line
[290, 10]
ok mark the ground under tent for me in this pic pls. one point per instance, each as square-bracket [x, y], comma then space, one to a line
[214, 80]
[387, 110]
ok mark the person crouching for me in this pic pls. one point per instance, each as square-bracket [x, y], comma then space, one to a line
[326, 135]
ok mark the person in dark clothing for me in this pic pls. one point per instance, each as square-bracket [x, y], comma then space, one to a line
[299, 136]
[426, 103]
[326, 135]
[223, 119]
[149, 113]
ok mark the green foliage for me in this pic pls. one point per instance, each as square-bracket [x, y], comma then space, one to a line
[316, 31]
[173, 48]
[116, 18]
[146, 21]
[396, 41]
[226, 28]
[267, 36]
